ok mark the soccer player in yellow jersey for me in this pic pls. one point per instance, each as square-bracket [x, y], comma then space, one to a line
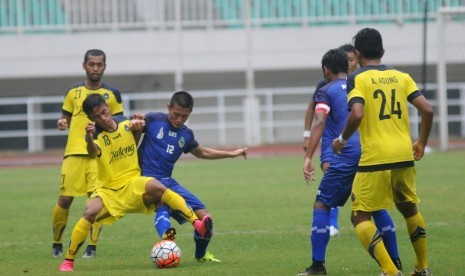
[378, 96]
[121, 188]
[79, 171]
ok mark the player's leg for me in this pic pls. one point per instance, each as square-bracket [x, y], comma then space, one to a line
[371, 191]
[385, 225]
[404, 181]
[162, 220]
[82, 228]
[59, 220]
[162, 223]
[334, 190]
[155, 192]
[72, 184]
[333, 222]
[202, 242]
[95, 230]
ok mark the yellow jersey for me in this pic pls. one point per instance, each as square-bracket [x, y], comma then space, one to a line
[117, 159]
[385, 127]
[72, 106]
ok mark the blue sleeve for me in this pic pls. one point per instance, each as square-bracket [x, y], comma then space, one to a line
[321, 96]
[320, 84]
[193, 143]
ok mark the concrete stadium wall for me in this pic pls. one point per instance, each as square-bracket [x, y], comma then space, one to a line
[138, 61]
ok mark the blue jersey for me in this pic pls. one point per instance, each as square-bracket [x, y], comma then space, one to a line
[319, 85]
[334, 94]
[163, 145]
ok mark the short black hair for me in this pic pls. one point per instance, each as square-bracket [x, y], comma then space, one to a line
[91, 102]
[94, 53]
[183, 99]
[369, 43]
[336, 61]
[347, 48]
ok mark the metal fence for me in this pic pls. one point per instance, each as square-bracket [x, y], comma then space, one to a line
[219, 117]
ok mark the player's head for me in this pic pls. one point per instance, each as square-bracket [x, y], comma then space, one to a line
[334, 62]
[369, 44]
[350, 51]
[94, 64]
[97, 110]
[179, 108]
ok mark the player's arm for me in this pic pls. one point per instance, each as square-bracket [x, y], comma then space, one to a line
[91, 147]
[309, 114]
[427, 115]
[318, 126]
[209, 153]
[64, 122]
[353, 122]
[137, 126]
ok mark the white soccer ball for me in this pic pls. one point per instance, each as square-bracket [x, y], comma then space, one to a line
[165, 254]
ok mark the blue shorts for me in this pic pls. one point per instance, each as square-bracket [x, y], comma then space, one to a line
[191, 200]
[336, 185]
[326, 155]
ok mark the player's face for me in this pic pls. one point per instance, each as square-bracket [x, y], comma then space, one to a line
[94, 66]
[177, 115]
[102, 117]
[352, 61]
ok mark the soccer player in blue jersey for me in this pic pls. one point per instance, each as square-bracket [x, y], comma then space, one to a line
[165, 139]
[335, 187]
[326, 156]
[378, 97]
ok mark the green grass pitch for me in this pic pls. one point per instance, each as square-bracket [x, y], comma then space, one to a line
[262, 209]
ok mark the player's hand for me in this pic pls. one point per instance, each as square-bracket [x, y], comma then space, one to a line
[90, 129]
[138, 116]
[418, 151]
[337, 146]
[137, 125]
[62, 124]
[242, 152]
[309, 170]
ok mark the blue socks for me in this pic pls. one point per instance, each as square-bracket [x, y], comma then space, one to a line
[387, 229]
[162, 220]
[333, 217]
[201, 245]
[320, 234]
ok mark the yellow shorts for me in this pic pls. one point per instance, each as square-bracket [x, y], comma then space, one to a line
[127, 199]
[79, 175]
[373, 191]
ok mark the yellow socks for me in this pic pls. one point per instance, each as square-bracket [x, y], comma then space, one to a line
[59, 219]
[94, 233]
[373, 243]
[416, 230]
[177, 202]
[78, 237]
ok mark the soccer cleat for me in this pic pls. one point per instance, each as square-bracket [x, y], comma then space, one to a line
[90, 253]
[204, 227]
[57, 250]
[424, 272]
[313, 270]
[333, 231]
[208, 258]
[169, 234]
[67, 266]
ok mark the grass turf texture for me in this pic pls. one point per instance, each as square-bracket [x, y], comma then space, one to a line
[262, 210]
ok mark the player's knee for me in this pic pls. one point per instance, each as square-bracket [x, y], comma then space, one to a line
[65, 201]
